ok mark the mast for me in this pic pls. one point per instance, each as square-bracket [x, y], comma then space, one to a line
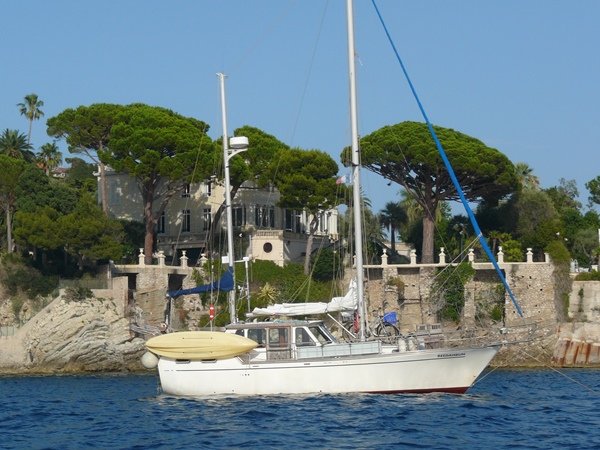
[226, 156]
[357, 207]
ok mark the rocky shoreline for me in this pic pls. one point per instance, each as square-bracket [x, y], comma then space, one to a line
[94, 336]
[73, 337]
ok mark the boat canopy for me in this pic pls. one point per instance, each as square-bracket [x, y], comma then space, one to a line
[348, 302]
[223, 284]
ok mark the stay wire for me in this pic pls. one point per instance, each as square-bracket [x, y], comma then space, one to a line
[187, 200]
[554, 369]
[442, 153]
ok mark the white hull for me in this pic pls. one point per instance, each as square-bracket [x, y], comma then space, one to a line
[442, 370]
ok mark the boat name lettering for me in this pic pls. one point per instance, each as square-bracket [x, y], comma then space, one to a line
[450, 355]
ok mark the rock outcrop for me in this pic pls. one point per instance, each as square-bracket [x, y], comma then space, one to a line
[83, 336]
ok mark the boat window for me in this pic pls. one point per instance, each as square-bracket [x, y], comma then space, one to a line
[257, 335]
[302, 338]
[278, 337]
[320, 335]
[240, 332]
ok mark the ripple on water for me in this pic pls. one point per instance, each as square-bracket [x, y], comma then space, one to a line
[516, 409]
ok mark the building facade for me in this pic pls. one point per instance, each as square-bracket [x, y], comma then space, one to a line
[262, 230]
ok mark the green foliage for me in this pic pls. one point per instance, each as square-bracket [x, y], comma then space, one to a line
[17, 276]
[500, 217]
[327, 265]
[448, 290]
[538, 221]
[564, 196]
[38, 229]
[400, 151]
[306, 179]
[17, 302]
[593, 186]
[497, 313]
[489, 305]
[133, 239]
[49, 157]
[373, 248]
[405, 153]
[16, 145]
[525, 176]
[396, 282]
[30, 108]
[584, 245]
[151, 142]
[290, 283]
[558, 252]
[77, 294]
[86, 129]
[88, 233]
[512, 251]
[81, 175]
[392, 217]
[593, 275]
[163, 151]
[260, 162]
[11, 169]
[35, 190]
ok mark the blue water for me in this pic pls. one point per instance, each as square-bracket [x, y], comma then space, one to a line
[506, 409]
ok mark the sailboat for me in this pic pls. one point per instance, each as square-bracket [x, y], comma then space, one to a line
[304, 357]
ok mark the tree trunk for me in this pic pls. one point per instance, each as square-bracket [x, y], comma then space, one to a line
[311, 236]
[103, 188]
[221, 208]
[149, 228]
[427, 248]
[9, 240]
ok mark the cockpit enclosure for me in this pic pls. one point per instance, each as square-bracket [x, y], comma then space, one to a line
[281, 340]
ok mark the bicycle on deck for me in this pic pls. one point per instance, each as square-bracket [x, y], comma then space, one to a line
[384, 325]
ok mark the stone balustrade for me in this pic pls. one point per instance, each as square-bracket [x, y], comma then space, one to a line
[470, 257]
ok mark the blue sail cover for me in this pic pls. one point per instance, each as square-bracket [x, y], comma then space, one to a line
[224, 284]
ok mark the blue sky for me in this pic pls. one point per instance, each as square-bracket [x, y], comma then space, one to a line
[522, 76]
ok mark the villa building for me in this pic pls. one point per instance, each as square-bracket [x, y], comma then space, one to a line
[262, 230]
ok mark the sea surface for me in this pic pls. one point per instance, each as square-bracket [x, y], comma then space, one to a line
[525, 409]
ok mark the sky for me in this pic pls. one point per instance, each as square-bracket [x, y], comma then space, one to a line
[522, 76]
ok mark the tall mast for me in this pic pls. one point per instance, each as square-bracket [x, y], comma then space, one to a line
[357, 207]
[226, 156]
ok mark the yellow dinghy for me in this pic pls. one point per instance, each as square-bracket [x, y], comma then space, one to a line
[196, 345]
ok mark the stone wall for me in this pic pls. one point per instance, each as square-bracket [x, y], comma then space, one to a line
[584, 301]
[95, 334]
[579, 339]
[405, 288]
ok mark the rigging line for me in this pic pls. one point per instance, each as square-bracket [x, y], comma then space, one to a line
[304, 90]
[204, 130]
[262, 37]
[455, 182]
[573, 380]
[308, 74]
[487, 374]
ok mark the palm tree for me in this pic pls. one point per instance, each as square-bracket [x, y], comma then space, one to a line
[49, 157]
[15, 145]
[526, 177]
[30, 108]
[391, 217]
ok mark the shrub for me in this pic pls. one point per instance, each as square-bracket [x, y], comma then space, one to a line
[77, 294]
[558, 252]
[448, 290]
[588, 276]
[327, 265]
[17, 276]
